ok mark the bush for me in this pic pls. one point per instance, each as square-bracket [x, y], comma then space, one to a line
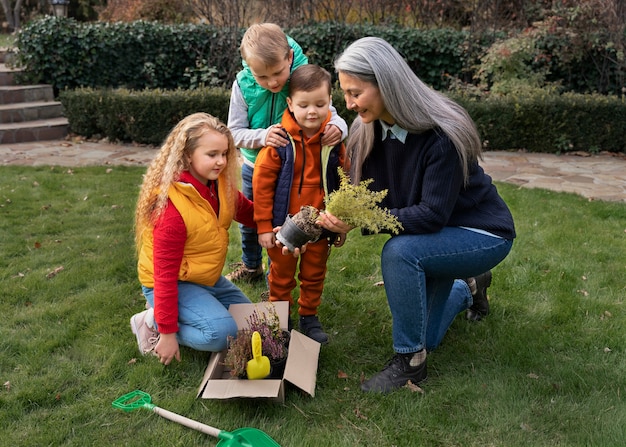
[541, 122]
[145, 116]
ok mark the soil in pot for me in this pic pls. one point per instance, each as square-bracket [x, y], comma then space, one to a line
[300, 228]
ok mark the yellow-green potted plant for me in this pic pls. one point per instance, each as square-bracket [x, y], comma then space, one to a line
[356, 205]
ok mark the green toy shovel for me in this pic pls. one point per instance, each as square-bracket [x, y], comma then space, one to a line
[241, 437]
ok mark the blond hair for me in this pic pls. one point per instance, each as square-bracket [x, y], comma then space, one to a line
[265, 42]
[172, 160]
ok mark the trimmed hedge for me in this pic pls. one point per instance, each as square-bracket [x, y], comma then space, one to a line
[551, 123]
[145, 116]
[139, 55]
[536, 123]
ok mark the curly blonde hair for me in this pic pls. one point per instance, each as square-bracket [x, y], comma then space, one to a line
[172, 160]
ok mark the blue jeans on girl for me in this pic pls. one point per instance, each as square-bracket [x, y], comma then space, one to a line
[204, 323]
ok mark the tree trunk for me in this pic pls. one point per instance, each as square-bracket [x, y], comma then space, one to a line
[12, 13]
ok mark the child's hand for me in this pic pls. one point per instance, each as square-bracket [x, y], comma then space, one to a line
[277, 136]
[267, 240]
[167, 349]
[284, 250]
[332, 135]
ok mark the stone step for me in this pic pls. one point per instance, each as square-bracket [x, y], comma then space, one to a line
[7, 75]
[26, 93]
[37, 130]
[29, 111]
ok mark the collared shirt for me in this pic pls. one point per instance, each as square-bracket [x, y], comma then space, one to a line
[394, 131]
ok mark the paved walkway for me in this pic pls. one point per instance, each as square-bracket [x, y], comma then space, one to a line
[597, 177]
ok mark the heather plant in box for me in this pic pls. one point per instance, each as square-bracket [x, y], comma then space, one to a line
[274, 342]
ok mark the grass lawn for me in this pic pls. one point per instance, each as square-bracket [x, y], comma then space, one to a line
[546, 368]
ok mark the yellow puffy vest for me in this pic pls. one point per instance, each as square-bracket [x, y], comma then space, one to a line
[207, 237]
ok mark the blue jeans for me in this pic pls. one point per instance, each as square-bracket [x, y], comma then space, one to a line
[420, 272]
[251, 251]
[204, 323]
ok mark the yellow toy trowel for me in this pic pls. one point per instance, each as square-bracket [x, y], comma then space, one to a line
[259, 366]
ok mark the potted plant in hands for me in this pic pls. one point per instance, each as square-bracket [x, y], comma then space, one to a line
[274, 343]
[356, 205]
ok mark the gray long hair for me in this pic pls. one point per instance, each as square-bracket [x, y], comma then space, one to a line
[415, 106]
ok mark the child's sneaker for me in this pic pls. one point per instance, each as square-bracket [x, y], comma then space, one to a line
[142, 325]
[245, 274]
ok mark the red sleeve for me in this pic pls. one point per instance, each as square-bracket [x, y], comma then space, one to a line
[169, 236]
[245, 211]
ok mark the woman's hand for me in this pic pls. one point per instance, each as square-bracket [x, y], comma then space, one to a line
[332, 223]
[167, 348]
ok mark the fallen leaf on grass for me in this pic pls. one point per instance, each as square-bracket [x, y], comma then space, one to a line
[342, 375]
[108, 171]
[414, 388]
[132, 361]
[37, 245]
[359, 415]
[583, 292]
[607, 349]
[55, 272]
[7, 385]
[532, 376]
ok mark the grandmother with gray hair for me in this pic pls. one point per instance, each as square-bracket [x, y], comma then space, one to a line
[424, 149]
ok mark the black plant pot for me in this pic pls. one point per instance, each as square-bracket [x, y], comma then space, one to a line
[291, 236]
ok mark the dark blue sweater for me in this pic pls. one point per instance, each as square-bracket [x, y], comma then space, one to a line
[424, 179]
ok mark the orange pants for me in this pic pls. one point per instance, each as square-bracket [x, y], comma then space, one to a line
[312, 273]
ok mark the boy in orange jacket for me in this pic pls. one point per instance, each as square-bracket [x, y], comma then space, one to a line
[291, 176]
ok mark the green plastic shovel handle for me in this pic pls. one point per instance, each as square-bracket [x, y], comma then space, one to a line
[242, 437]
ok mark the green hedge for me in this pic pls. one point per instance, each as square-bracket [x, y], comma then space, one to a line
[551, 123]
[537, 123]
[145, 116]
[139, 55]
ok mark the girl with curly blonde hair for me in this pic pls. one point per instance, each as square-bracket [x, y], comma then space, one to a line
[188, 199]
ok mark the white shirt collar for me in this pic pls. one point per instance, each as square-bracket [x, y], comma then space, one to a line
[394, 131]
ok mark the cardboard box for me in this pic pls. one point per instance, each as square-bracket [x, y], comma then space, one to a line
[300, 369]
